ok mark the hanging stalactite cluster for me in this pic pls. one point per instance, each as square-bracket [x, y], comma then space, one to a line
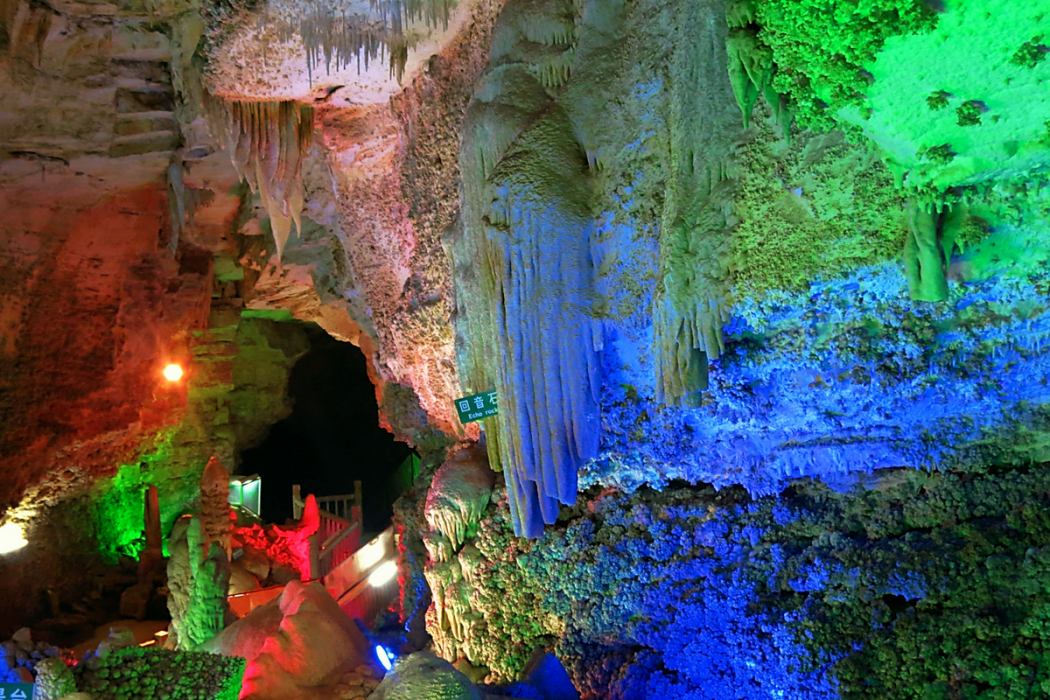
[334, 39]
[338, 37]
[691, 304]
[267, 142]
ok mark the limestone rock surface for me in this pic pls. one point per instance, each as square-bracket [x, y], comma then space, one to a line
[423, 676]
[301, 640]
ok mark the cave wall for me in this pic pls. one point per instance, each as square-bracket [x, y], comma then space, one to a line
[105, 280]
[132, 241]
[742, 288]
[792, 317]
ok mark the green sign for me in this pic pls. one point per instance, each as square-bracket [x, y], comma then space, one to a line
[16, 691]
[476, 406]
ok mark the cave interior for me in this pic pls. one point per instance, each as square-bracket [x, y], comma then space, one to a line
[582, 349]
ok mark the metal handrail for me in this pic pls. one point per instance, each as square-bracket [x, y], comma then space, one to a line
[330, 544]
[325, 504]
[334, 527]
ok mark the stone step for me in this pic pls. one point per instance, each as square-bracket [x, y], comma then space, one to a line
[144, 65]
[137, 144]
[145, 98]
[144, 123]
[160, 55]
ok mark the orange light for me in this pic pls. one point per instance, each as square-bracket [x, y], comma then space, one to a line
[173, 373]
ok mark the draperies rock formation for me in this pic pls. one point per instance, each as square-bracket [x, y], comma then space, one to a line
[540, 156]
[531, 335]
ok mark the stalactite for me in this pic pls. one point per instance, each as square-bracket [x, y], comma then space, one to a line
[690, 307]
[932, 232]
[528, 330]
[438, 547]
[340, 36]
[457, 498]
[267, 142]
[751, 66]
[539, 265]
[554, 71]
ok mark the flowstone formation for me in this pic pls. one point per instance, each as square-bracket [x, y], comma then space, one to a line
[916, 585]
[459, 494]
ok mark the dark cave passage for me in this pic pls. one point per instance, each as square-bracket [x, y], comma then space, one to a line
[331, 439]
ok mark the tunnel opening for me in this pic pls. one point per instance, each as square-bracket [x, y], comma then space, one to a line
[331, 439]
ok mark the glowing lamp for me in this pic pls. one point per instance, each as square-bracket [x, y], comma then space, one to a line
[385, 658]
[370, 554]
[173, 373]
[383, 575]
[11, 538]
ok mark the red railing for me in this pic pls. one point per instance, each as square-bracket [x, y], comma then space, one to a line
[340, 533]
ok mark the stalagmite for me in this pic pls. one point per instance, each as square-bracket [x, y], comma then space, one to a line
[210, 576]
[152, 555]
[198, 581]
[215, 506]
[457, 498]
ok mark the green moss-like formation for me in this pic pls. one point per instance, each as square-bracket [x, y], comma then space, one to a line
[1031, 53]
[940, 155]
[938, 100]
[973, 51]
[820, 48]
[969, 113]
[161, 675]
[819, 206]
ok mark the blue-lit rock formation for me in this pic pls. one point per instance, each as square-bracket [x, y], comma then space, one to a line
[765, 308]
[529, 230]
[851, 376]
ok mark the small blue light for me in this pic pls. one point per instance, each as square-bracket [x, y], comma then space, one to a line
[385, 657]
